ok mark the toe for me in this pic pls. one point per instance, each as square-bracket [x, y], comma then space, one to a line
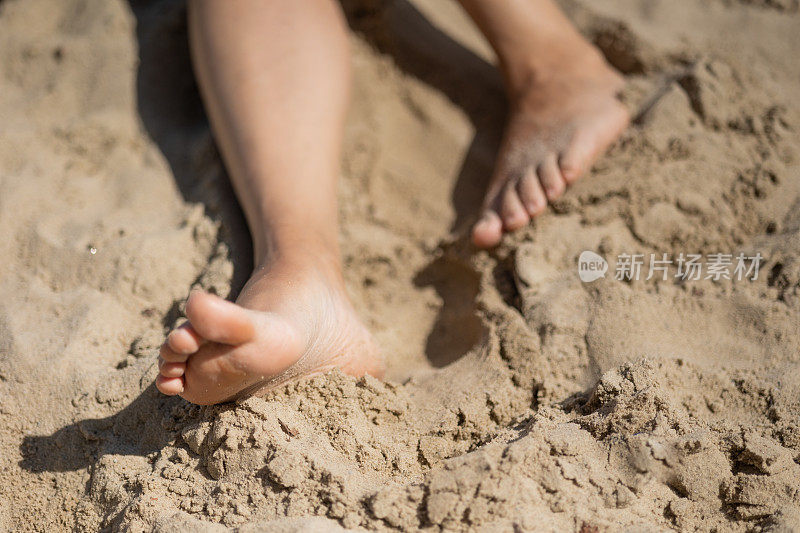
[169, 386]
[184, 340]
[550, 177]
[488, 230]
[218, 320]
[574, 161]
[512, 211]
[171, 356]
[531, 193]
[171, 370]
[590, 142]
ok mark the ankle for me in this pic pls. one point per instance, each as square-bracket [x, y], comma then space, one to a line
[538, 65]
[296, 240]
[302, 257]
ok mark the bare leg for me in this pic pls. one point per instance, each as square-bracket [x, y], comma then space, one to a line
[564, 111]
[275, 78]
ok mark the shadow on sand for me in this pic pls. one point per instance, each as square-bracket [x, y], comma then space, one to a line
[135, 430]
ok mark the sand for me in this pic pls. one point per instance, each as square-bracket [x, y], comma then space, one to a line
[518, 398]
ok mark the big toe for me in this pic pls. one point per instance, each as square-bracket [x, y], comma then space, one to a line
[218, 320]
[578, 156]
[591, 141]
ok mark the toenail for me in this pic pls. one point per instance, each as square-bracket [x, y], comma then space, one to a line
[516, 220]
[570, 173]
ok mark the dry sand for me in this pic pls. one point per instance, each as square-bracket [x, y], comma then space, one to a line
[518, 397]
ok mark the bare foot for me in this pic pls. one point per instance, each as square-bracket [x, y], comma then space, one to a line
[564, 114]
[290, 320]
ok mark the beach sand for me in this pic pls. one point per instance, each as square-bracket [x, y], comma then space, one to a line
[517, 397]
